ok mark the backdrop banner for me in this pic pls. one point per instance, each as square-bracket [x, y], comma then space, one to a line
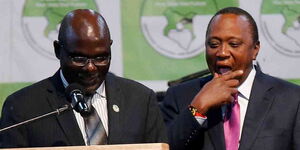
[154, 40]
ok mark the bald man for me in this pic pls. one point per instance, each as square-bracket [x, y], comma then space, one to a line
[127, 109]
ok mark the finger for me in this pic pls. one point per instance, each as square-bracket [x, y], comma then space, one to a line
[226, 102]
[233, 75]
[216, 75]
[232, 82]
[234, 91]
[229, 100]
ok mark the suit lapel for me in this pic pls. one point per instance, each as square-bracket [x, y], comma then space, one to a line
[215, 128]
[66, 120]
[259, 105]
[114, 100]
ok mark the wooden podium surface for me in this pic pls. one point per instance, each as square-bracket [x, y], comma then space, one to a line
[151, 146]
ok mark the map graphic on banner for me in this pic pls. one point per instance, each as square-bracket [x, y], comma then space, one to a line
[47, 14]
[172, 27]
[284, 35]
[166, 37]
[29, 28]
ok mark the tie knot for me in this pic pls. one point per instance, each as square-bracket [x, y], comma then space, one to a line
[90, 110]
[229, 107]
[235, 96]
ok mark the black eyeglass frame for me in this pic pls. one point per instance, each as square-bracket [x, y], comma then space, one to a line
[81, 61]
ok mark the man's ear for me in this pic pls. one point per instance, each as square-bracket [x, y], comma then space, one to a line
[57, 49]
[256, 50]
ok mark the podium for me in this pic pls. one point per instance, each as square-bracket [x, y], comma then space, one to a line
[150, 146]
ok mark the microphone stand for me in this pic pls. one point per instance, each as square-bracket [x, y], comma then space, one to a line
[57, 111]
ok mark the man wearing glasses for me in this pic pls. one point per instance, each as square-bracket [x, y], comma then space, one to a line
[126, 111]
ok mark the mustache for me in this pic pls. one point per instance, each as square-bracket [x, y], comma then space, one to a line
[88, 75]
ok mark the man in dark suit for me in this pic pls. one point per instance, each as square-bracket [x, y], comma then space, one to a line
[238, 106]
[127, 109]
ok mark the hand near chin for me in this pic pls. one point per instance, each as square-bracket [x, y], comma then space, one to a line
[218, 91]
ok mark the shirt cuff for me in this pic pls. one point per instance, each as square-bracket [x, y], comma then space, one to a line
[200, 120]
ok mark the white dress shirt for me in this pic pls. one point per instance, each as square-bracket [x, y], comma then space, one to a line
[99, 102]
[243, 99]
[244, 95]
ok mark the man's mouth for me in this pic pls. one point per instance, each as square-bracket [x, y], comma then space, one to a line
[88, 79]
[223, 70]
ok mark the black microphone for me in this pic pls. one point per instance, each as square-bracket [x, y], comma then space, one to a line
[57, 112]
[75, 93]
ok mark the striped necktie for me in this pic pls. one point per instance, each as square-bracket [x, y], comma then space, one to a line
[94, 128]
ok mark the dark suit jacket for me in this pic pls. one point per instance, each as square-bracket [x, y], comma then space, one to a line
[272, 120]
[138, 121]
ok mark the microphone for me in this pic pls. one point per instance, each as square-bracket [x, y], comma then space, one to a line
[75, 93]
[57, 112]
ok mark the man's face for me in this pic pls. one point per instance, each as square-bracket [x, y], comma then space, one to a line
[90, 76]
[229, 45]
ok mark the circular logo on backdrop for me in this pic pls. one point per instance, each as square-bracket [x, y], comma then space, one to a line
[41, 21]
[176, 28]
[284, 35]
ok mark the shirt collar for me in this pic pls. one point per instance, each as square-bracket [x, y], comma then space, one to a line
[245, 88]
[100, 90]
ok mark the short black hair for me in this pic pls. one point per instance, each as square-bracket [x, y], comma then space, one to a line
[240, 12]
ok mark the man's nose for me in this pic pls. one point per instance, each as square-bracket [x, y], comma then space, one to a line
[223, 52]
[90, 66]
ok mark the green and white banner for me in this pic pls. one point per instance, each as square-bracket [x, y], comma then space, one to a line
[154, 40]
[164, 39]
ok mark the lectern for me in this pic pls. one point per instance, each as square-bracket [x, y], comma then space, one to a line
[151, 146]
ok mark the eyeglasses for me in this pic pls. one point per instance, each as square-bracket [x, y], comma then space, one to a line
[82, 61]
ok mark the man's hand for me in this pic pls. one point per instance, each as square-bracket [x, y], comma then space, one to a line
[218, 91]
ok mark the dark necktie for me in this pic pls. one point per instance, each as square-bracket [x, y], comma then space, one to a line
[94, 128]
[232, 125]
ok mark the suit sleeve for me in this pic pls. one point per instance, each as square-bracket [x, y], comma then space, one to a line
[155, 130]
[183, 129]
[14, 137]
[296, 132]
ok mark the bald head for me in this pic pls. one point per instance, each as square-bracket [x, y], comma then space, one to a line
[84, 48]
[84, 24]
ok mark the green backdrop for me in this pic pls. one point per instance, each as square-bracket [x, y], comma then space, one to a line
[8, 88]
